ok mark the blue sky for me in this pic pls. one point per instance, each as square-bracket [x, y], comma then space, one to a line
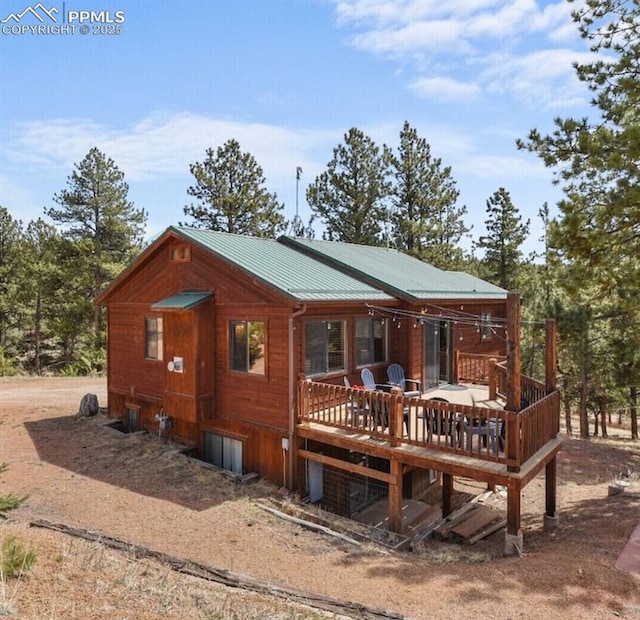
[287, 79]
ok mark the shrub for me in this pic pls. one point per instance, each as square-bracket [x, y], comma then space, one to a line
[10, 501]
[14, 558]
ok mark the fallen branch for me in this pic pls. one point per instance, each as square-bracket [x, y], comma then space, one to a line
[224, 577]
[308, 524]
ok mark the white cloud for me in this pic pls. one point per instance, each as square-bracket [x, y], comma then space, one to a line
[18, 200]
[508, 21]
[504, 170]
[445, 89]
[543, 78]
[511, 46]
[161, 144]
[382, 13]
[413, 38]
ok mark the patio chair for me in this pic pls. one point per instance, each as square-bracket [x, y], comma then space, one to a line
[357, 405]
[493, 429]
[369, 382]
[395, 372]
[377, 410]
[437, 422]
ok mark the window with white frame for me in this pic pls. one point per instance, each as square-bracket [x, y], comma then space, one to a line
[247, 346]
[153, 338]
[325, 347]
[371, 341]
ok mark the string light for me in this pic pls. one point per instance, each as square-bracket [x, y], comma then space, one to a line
[455, 319]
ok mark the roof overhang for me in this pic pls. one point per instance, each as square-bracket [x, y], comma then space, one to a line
[182, 301]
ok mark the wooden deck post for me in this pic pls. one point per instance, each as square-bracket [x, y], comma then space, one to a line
[456, 367]
[513, 536]
[396, 417]
[551, 519]
[447, 494]
[395, 497]
[493, 379]
[551, 355]
[514, 387]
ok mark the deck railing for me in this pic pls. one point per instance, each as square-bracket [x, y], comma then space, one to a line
[497, 435]
[531, 391]
[539, 423]
[474, 368]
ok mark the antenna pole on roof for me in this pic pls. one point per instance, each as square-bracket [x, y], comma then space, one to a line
[298, 173]
[296, 224]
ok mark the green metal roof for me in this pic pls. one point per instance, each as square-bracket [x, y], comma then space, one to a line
[291, 272]
[397, 273]
[182, 301]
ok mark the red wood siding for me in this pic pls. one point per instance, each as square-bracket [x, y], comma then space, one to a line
[129, 371]
[208, 395]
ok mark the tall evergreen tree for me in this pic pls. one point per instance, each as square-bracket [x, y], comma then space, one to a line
[229, 187]
[596, 163]
[505, 234]
[11, 281]
[43, 273]
[103, 225]
[351, 196]
[427, 223]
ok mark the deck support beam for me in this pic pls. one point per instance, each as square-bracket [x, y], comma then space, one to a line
[447, 494]
[395, 496]
[513, 536]
[551, 519]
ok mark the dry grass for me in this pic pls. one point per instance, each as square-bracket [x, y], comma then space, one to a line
[141, 490]
[76, 579]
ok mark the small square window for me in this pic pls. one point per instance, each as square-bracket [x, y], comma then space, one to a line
[180, 253]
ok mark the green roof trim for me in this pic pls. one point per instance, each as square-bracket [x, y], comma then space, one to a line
[396, 273]
[287, 270]
[182, 301]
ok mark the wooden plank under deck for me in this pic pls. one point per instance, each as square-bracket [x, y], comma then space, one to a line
[428, 458]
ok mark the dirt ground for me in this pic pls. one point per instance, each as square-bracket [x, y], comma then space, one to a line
[142, 490]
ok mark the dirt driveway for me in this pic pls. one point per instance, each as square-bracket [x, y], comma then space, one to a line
[142, 490]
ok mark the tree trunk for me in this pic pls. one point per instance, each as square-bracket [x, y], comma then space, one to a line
[567, 409]
[37, 336]
[633, 398]
[603, 416]
[584, 417]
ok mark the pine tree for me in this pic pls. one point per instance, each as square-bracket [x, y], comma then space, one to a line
[351, 196]
[505, 234]
[229, 187]
[43, 272]
[427, 223]
[11, 282]
[103, 225]
[596, 162]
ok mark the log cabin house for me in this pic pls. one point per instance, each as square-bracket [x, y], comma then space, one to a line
[240, 347]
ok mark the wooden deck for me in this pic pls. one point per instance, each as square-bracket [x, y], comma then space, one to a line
[455, 430]
[468, 423]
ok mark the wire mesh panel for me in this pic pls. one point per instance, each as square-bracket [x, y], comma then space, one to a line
[346, 493]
